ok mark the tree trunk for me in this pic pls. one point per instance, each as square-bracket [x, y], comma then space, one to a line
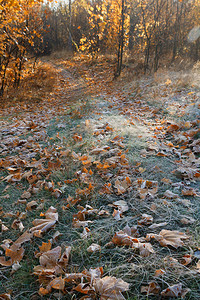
[121, 42]
[70, 26]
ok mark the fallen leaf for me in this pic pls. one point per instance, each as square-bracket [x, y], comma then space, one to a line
[154, 226]
[175, 290]
[186, 259]
[168, 238]
[152, 289]
[145, 249]
[94, 248]
[159, 272]
[5, 296]
[110, 288]
[15, 253]
[170, 195]
[122, 186]
[146, 220]
[31, 205]
[117, 214]
[121, 205]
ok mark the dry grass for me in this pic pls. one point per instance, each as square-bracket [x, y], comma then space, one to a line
[37, 84]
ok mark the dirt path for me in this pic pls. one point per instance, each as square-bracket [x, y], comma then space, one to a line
[121, 169]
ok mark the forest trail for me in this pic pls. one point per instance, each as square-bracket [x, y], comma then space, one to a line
[111, 169]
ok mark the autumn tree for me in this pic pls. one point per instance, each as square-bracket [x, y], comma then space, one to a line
[20, 29]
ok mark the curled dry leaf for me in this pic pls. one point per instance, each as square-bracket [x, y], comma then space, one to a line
[145, 249]
[186, 259]
[5, 296]
[172, 128]
[110, 288]
[154, 226]
[168, 238]
[159, 272]
[17, 224]
[170, 195]
[175, 290]
[117, 214]
[94, 248]
[132, 231]
[189, 192]
[26, 195]
[123, 239]
[57, 283]
[152, 289]
[198, 266]
[146, 220]
[42, 225]
[31, 205]
[121, 205]
[79, 224]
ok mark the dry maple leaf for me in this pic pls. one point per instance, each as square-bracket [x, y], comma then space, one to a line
[44, 248]
[15, 253]
[110, 288]
[168, 238]
[175, 290]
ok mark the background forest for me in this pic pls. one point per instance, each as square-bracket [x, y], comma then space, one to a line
[148, 33]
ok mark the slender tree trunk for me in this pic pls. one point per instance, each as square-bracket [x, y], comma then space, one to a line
[121, 42]
[70, 26]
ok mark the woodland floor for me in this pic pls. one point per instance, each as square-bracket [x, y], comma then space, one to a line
[90, 142]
